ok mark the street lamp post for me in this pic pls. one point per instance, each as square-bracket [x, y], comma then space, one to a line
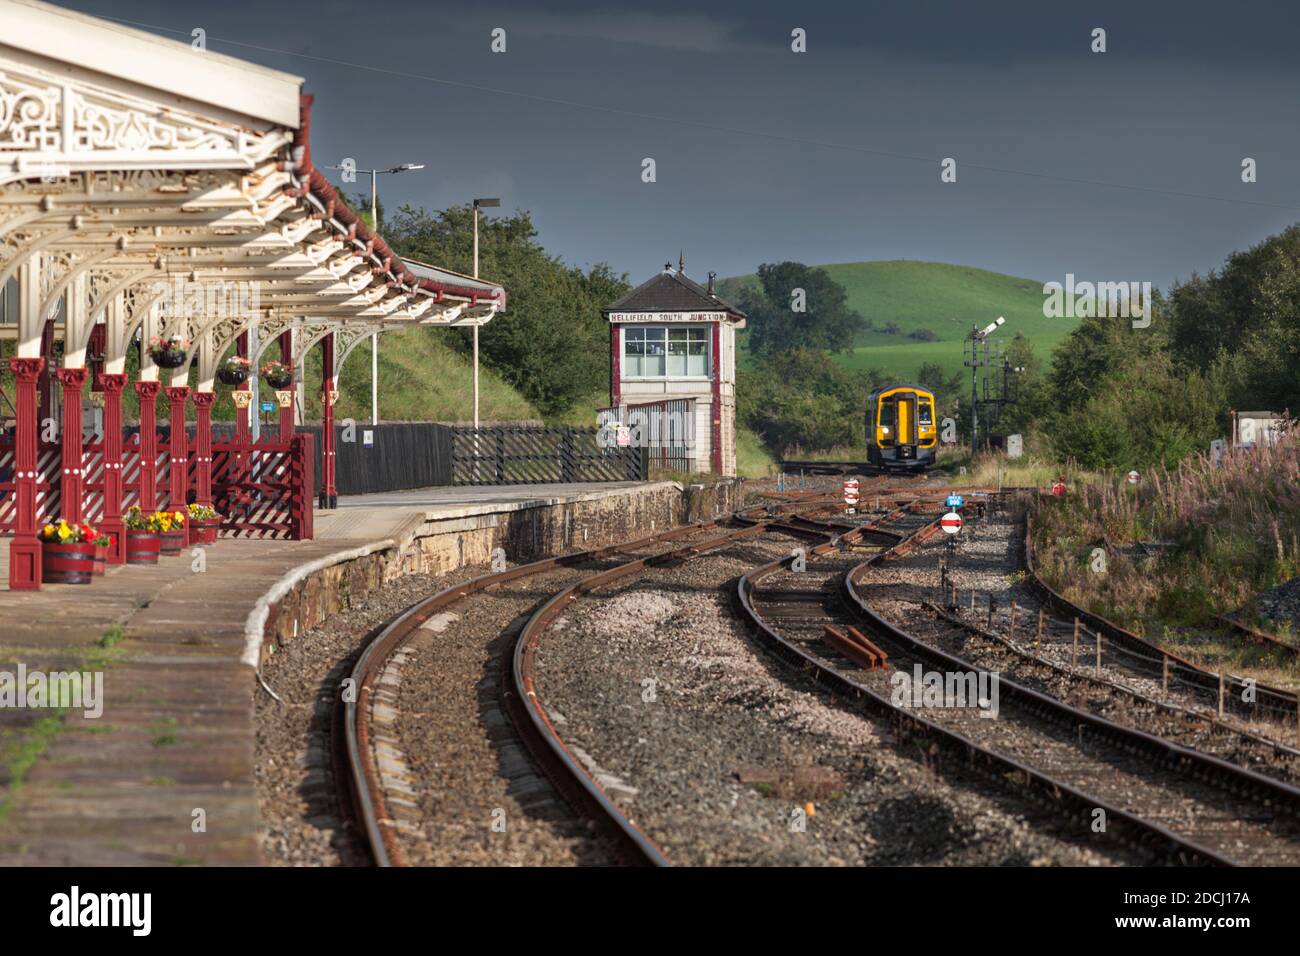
[374, 225]
[478, 204]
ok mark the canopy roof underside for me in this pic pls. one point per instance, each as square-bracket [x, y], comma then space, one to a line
[185, 208]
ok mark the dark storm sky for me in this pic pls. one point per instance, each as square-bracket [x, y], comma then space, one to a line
[828, 156]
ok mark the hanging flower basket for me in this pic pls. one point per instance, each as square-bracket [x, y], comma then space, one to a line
[277, 375]
[68, 553]
[233, 371]
[168, 352]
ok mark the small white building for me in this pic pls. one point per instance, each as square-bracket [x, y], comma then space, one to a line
[1256, 428]
[673, 371]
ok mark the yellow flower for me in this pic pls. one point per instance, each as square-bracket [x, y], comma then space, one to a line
[49, 530]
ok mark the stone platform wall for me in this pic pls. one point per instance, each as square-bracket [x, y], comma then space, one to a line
[441, 545]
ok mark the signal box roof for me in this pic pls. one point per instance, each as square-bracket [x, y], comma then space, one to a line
[671, 291]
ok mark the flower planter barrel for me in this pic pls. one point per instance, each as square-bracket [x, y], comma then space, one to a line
[71, 563]
[142, 547]
[205, 530]
[172, 542]
[101, 559]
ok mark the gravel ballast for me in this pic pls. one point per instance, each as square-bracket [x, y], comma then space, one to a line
[723, 752]
[299, 823]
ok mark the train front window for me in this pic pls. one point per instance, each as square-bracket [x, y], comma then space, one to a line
[888, 415]
[925, 416]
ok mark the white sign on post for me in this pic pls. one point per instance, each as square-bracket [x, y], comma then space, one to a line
[951, 522]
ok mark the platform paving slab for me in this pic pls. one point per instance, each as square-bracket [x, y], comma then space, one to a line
[176, 733]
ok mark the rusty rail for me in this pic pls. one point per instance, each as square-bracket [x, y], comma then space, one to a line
[854, 645]
[635, 844]
[358, 768]
[1260, 636]
[1055, 792]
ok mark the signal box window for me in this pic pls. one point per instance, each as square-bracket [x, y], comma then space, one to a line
[650, 352]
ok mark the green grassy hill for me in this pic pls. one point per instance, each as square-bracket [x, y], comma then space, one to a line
[421, 378]
[945, 299]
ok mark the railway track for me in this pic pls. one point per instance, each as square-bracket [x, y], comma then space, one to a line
[1027, 637]
[1138, 655]
[1260, 636]
[1194, 809]
[380, 786]
[1023, 661]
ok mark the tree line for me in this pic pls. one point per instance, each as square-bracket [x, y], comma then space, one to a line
[1109, 396]
[551, 343]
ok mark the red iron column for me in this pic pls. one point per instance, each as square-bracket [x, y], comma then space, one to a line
[329, 496]
[715, 410]
[203, 447]
[616, 367]
[180, 454]
[243, 397]
[286, 409]
[25, 548]
[148, 392]
[70, 482]
[111, 523]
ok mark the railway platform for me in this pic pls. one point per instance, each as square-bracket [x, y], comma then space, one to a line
[164, 774]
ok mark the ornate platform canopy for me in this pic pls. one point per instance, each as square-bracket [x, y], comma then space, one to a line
[152, 189]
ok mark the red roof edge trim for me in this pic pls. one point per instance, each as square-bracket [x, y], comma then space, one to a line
[375, 246]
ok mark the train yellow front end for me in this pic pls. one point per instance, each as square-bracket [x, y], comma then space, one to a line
[901, 428]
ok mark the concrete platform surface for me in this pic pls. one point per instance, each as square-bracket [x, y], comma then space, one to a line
[392, 514]
[165, 774]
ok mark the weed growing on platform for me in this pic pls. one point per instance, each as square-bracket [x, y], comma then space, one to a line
[21, 754]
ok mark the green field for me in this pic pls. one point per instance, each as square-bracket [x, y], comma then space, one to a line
[945, 299]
